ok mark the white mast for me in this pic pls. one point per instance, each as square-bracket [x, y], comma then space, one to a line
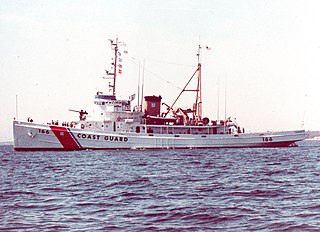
[218, 108]
[225, 99]
[17, 107]
[142, 85]
[113, 75]
[138, 88]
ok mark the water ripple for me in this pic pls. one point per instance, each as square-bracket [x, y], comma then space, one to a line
[175, 190]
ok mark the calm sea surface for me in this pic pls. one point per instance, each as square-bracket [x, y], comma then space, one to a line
[176, 190]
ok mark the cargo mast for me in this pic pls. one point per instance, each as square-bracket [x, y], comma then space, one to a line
[197, 106]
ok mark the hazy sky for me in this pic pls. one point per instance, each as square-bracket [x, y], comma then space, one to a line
[264, 53]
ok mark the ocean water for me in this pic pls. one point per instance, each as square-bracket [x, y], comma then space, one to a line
[274, 189]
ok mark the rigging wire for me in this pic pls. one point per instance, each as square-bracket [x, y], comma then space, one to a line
[132, 60]
[172, 63]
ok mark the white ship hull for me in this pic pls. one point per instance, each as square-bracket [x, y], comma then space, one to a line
[32, 136]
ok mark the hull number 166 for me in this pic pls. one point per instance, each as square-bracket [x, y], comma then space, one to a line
[267, 139]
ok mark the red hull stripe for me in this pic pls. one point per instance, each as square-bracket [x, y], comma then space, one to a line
[65, 137]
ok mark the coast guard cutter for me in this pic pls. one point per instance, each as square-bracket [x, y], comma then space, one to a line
[116, 124]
